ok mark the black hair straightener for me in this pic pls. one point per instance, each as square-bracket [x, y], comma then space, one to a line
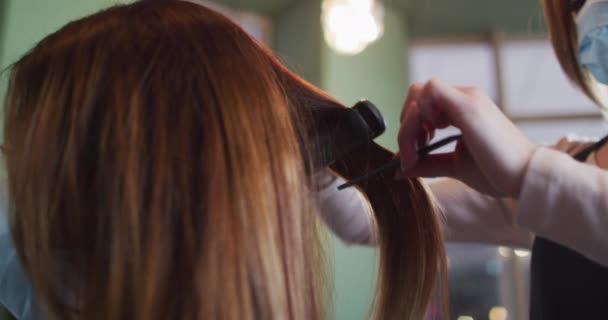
[339, 131]
[352, 128]
[393, 165]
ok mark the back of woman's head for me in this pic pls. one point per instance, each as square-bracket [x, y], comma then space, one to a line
[154, 172]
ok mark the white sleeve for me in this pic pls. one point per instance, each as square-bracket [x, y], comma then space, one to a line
[346, 212]
[469, 216]
[561, 199]
[567, 202]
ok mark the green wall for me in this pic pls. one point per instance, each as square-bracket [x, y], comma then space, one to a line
[297, 39]
[377, 74]
[3, 82]
[28, 21]
[3, 18]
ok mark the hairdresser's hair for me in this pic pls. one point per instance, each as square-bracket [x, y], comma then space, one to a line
[154, 172]
[561, 25]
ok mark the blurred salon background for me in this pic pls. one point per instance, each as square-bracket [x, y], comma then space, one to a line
[373, 49]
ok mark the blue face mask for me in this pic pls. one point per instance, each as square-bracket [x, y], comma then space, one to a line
[592, 27]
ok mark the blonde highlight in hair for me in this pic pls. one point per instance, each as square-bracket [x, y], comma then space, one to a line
[156, 171]
[561, 25]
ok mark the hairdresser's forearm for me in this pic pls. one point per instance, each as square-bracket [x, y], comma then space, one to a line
[469, 216]
[567, 202]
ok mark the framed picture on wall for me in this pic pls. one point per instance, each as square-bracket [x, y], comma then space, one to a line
[469, 63]
[521, 74]
[534, 84]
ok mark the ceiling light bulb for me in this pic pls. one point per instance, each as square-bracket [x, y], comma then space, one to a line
[351, 25]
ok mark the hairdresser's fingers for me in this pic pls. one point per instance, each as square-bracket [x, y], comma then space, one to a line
[467, 89]
[420, 118]
[427, 135]
[457, 164]
[498, 148]
[433, 118]
[414, 131]
[448, 164]
[427, 131]
[413, 93]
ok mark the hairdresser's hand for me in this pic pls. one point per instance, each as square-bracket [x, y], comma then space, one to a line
[493, 156]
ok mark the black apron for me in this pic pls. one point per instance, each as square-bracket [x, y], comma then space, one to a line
[565, 284]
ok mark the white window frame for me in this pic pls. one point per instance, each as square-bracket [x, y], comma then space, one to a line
[500, 43]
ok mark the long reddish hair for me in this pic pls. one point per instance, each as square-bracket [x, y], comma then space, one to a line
[155, 172]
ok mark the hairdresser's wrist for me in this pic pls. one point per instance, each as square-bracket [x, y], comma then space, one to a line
[527, 155]
[500, 150]
[541, 183]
